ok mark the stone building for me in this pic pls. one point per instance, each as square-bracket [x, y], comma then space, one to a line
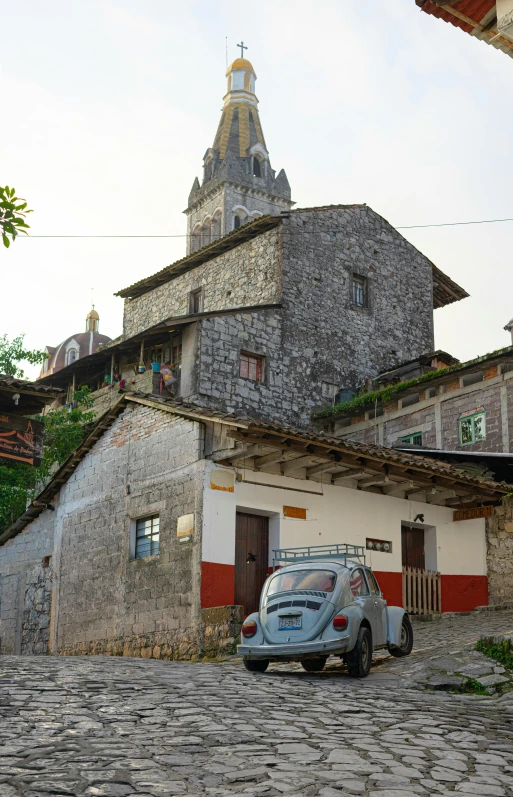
[140, 543]
[238, 183]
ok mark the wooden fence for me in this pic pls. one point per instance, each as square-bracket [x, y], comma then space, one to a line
[422, 593]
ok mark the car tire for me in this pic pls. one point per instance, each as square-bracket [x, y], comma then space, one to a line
[256, 665]
[359, 659]
[314, 665]
[404, 649]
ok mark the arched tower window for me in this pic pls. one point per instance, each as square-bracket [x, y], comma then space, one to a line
[72, 356]
[247, 81]
[216, 225]
[195, 239]
[236, 222]
[257, 170]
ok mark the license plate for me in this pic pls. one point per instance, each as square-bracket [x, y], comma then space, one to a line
[288, 623]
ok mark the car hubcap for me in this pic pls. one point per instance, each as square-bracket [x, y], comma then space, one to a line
[365, 654]
[404, 636]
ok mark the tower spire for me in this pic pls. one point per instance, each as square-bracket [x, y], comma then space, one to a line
[238, 182]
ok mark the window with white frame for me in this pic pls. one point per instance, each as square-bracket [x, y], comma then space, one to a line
[71, 356]
[472, 428]
[147, 531]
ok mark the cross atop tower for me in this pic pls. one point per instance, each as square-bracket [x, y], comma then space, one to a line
[242, 48]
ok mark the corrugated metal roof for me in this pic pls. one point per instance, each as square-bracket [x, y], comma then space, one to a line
[477, 17]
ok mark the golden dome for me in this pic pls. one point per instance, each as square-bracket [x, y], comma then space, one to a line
[240, 63]
[93, 314]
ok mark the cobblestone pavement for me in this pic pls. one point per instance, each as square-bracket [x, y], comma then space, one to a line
[112, 726]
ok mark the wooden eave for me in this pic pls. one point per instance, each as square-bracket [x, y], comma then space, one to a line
[283, 453]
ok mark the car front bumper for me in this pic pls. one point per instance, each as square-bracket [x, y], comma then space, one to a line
[296, 651]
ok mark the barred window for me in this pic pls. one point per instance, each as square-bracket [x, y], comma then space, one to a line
[251, 367]
[147, 536]
[359, 288]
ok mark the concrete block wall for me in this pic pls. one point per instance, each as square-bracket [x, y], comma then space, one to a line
[145, 464]
[246, 275]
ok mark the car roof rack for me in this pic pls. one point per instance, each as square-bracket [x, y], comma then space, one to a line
[347, 555]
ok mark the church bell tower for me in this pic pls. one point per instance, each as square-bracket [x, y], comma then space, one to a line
[238, 182]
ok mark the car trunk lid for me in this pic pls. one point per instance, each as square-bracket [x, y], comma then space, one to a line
[295, 616]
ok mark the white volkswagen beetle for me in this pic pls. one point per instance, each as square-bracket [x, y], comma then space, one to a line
[314, 609]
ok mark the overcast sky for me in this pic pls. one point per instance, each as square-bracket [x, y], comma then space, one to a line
[108, 109]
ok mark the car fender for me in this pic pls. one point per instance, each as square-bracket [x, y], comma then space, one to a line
[355, 615]
[395, 616]
[258, 639]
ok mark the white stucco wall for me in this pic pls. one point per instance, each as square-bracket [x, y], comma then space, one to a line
[338, 515]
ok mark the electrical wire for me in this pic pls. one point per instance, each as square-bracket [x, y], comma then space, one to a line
[288, 232]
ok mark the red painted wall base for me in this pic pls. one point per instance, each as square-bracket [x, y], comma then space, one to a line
[217, 585]
[459, 593]
[464, 593]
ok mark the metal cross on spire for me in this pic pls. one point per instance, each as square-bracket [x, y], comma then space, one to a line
[242, 48]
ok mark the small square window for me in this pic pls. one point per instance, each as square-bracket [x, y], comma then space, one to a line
[196, 301]
[414, 439]
[147, 536]
[472, 428]
[359, 291]
[251, 367]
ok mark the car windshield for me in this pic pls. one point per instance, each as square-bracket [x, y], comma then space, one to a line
[303, 579]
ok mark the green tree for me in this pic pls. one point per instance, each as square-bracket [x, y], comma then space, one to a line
[65, 428]
[13, 351]
[13, 212]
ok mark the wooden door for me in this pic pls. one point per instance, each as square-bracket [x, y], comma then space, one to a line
[413, 547]
[251, 559]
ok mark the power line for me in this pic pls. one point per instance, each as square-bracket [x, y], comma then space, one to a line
[288, 232]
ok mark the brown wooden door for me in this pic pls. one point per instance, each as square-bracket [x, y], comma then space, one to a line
[251, 543]
[413, 547]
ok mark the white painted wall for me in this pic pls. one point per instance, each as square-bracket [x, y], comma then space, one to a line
[339, 515]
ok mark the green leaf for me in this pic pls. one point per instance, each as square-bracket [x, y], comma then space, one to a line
[6, 241]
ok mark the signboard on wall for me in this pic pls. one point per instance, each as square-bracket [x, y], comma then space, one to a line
[222, 480]
[294, 511]
[473, 513]
[185, 525]
[21, 439]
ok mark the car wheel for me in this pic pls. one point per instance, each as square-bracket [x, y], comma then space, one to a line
[359, 659]
[406, 644]
[256, 665]
[314, 665]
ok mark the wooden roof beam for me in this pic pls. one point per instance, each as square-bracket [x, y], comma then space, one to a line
[245, 453]
[294, 464]
[269, 459]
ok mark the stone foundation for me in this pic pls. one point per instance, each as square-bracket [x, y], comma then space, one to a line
[499, 538]
[217, 637]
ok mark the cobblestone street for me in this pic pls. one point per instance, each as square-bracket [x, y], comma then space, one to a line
[114, 726]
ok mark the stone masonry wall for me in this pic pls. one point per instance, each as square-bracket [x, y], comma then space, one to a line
[499, 537]
[20, 559]
[325, 338]
[246, 275]
[37, 610]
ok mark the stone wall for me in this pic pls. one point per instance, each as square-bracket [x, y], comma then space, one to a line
[499, 536]
[21, 561]
[246, 275]
[216, 636]
[37, 609]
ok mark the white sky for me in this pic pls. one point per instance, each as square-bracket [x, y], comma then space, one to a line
[109, 107]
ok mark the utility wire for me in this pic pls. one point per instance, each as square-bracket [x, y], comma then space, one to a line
[288, 232]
